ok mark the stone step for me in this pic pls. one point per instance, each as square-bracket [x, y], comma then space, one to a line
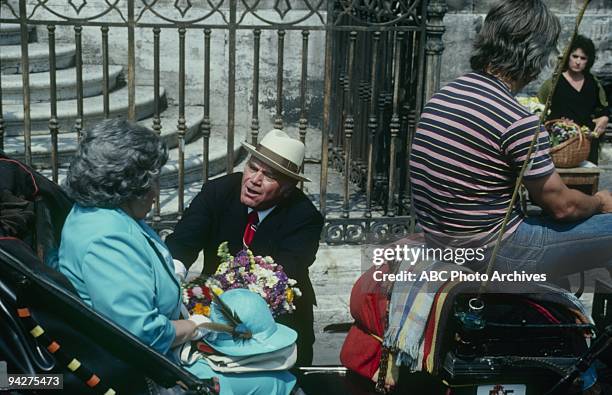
[168, 196]
[38, 55]
[12, 84]
[217, 155]
[169, 124]
[193, 168]
[67, 142]
[10, 34]
[67, 111]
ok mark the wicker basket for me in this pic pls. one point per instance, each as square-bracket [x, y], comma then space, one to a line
[570, 152]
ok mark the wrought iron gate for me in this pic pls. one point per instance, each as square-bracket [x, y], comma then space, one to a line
[382, 60]
[377, 103]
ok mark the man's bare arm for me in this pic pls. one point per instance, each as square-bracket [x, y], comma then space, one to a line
[563, 203]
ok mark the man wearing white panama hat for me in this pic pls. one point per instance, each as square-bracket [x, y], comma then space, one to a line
[260, 208]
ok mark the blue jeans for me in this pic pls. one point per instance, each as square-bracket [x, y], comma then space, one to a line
[541, 245]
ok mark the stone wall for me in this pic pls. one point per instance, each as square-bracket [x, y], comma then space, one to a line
[464, 17]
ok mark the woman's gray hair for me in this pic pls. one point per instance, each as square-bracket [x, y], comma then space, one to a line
[516, 40]
[116, 161]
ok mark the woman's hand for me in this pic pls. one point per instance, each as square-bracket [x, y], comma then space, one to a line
[601, 124]
[188, 330]
[185, 330]
[200, 332]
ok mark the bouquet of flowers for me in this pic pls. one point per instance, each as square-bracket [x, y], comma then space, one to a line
[258, 274]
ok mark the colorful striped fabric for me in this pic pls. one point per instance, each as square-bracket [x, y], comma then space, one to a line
[408, 311]
[410, 306]
[470, 144]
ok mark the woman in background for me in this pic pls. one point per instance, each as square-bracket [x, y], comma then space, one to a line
[579, 96]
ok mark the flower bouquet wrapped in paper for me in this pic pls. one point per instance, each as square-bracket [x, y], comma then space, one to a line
[245, 270]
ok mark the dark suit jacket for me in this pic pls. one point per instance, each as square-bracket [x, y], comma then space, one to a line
[290, 233]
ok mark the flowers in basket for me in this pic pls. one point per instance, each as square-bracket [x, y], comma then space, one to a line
[561, 130]
[245, 270]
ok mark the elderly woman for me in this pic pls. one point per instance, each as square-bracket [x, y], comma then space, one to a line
[579, 96]
[117, 263]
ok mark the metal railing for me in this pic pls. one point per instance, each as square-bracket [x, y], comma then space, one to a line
[382, 61]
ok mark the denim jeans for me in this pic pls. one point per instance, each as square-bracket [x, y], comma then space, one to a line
[541, 245]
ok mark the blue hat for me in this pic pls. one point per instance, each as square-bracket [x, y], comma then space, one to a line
[251, 308]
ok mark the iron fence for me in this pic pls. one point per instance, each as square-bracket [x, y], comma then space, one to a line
[381, 62]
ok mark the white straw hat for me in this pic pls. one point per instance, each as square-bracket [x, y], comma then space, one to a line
[280, 152]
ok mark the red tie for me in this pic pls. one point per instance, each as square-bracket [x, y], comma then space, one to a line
[251, 227]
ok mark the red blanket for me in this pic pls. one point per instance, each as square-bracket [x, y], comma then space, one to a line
[363, 345]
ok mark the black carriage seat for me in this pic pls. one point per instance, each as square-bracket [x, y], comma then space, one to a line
[116, 357]
[47, 201]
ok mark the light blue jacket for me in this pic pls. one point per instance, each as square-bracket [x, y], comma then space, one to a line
[106, 255]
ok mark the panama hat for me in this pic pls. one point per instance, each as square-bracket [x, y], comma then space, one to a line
[253, 312]
[281, 152]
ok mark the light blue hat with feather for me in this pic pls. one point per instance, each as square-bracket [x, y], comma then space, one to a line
[253, 317]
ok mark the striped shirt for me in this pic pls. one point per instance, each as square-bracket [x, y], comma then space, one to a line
[470, 144]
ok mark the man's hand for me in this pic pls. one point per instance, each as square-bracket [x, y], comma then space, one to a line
[601, 124]
[605, 198]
